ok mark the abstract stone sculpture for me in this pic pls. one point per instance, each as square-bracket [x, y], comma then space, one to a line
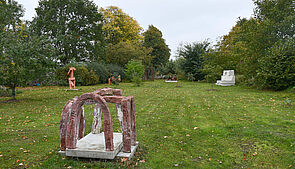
[72, 81]
[227, 79]
[72, 126]
[172, 79]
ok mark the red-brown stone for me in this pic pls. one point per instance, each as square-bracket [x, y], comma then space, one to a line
[72, 125]
[126, 126]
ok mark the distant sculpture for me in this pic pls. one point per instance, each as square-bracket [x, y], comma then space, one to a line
[72, 81]
[114, 80]
[172, 79]
[227, 79]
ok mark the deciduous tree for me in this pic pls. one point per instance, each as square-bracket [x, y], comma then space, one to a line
[73, 26]
[160, 53]
[24, 58]
[120, 27]
[123, 52]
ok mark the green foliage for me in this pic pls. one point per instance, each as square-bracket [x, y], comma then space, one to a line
[10, 14]
[254, 47]
[74, 28]
[120, 27]
[134, 72]
[277, 67]
[212, 68]
[153, 39]
[100, 70]
[169, 68]
[123, 52]
[5, 92]
[115, 70]
[25, 58]
[82, 75]
[193, 58]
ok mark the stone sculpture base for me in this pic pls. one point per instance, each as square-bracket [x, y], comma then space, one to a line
[225, 83]
[128, 155]
[171, 81]
[72, 89]
[93, 146]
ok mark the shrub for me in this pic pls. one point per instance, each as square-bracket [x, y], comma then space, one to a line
[100, 70]
[277, 70]
[115, 70]
[134, 72]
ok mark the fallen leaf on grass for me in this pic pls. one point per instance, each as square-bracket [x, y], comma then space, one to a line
[188, 135]
[142, 161]
[21, 164]
[195, 128]
[165, 136]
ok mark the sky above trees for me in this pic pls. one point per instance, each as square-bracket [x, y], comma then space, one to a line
[179, 20]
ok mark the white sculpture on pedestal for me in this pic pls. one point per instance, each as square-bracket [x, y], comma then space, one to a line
[227, 79]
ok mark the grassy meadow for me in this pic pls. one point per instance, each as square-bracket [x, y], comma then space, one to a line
[184, 125]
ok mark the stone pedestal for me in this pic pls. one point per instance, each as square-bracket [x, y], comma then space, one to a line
[93, 146]
[171, 81]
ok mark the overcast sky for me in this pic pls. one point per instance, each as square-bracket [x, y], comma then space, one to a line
[180, 21]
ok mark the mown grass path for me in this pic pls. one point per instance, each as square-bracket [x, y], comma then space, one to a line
[179, 125]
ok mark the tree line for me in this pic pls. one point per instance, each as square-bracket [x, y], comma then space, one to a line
[261, 50]
[73, 33]
[104, 42]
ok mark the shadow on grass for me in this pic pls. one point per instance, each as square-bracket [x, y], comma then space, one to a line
[11, 101]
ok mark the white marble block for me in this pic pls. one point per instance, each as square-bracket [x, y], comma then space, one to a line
[227, 79]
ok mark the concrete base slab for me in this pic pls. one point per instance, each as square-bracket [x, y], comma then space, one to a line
[121, 154]
[225, 83]
[171, 81]
[93, 146]
[72, 89]
[62, 152]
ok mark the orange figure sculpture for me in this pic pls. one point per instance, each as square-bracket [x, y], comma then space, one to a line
[72, 80]
[119, 78]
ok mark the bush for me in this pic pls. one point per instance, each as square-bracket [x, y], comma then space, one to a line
[115, 70]
[100, 70]
[277, 70]
[134, 72]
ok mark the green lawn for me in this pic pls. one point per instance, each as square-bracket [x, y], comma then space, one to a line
[178, 125]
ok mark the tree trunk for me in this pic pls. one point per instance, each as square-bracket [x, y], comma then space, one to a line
[13, 93]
